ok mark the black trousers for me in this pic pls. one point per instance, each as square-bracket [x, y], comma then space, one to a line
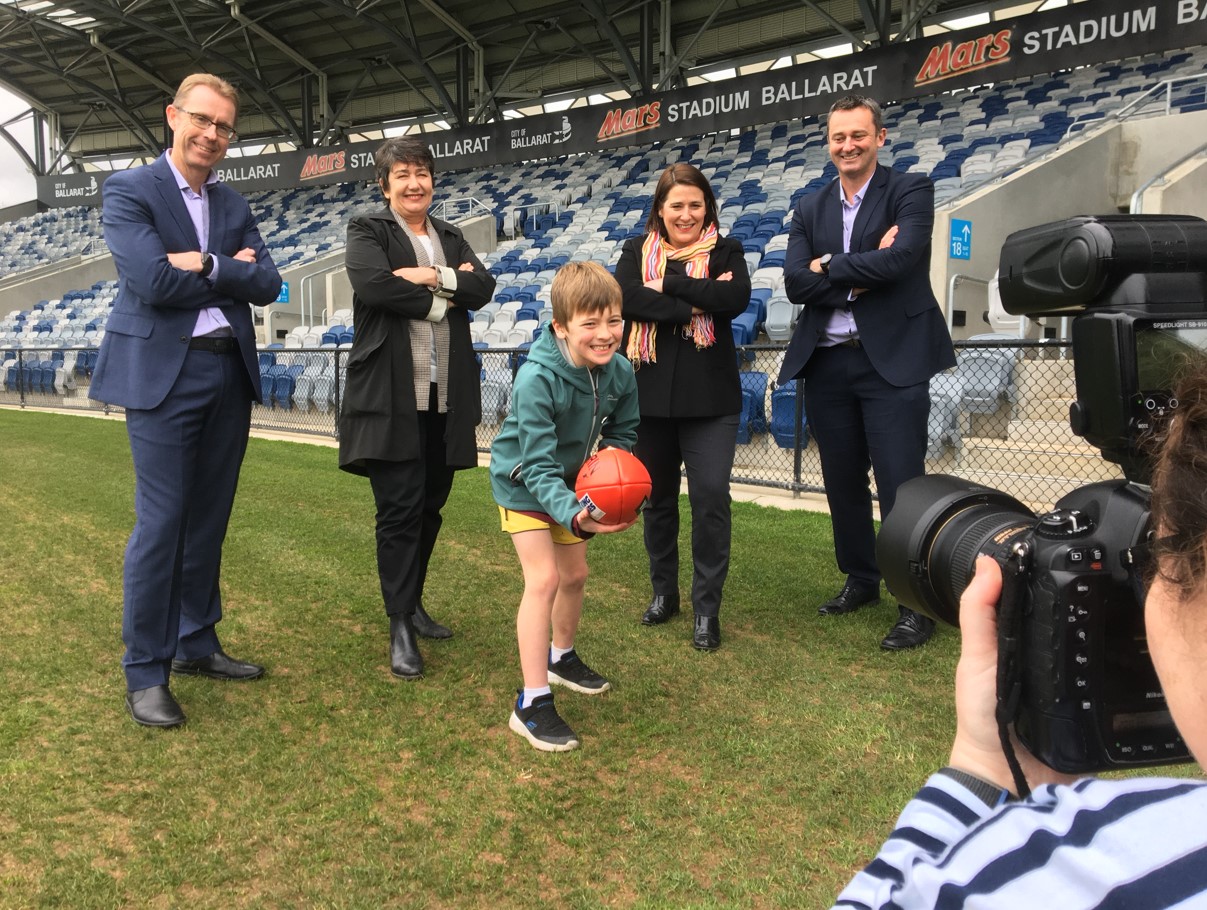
[704, 446]
[859, 420]
[409, 497]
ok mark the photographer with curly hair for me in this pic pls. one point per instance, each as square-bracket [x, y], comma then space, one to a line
[966, 839]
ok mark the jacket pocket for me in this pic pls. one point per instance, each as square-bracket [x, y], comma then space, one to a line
[130, 324]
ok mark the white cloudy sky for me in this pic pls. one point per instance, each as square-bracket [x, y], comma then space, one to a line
[16, 182]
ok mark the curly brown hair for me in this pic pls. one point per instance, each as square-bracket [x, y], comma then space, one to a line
[1179, 487]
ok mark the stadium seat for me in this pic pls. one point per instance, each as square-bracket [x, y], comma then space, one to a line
[783, 417]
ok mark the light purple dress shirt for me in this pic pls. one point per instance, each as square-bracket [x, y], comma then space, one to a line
[210, 319]
[841, 326]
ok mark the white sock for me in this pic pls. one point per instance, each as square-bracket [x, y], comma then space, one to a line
[556, 653]
[531, 695]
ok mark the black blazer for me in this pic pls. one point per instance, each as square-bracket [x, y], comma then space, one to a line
[377, 416]
[687, 381]
[899, 320]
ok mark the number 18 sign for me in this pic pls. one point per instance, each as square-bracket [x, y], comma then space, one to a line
[961, 239]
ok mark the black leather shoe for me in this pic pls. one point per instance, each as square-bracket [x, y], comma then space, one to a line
[707, 633]
[911, 630]
[218, 666]
[154, 707]
[849, 599]
[662, 607]
[428, 627]
[405, 660]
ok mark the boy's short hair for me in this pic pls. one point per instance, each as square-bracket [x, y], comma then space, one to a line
[583, 287]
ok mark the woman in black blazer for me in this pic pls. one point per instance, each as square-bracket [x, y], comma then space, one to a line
[412, 397]
[683, 284]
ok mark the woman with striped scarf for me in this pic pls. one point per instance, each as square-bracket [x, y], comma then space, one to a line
[683, 284]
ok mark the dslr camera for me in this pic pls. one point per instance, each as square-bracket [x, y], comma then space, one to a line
[1074, 676]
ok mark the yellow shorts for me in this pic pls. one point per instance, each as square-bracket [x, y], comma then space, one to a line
[514, 522]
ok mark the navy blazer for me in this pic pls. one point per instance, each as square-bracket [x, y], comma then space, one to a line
[899, 321]
[147, 335]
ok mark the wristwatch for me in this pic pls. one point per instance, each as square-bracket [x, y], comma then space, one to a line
[824, 263]
[207, 265]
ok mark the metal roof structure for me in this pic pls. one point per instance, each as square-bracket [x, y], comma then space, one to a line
[98, 73]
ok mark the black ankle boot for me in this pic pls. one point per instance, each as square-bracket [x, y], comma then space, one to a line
[662, 607]
[428, 627]
[405, 660]
[707, 633]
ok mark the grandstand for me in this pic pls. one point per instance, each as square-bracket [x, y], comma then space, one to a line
[992, 150]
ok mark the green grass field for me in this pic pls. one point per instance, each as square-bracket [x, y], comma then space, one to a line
[761, 775]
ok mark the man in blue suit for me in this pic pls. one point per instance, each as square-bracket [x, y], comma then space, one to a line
[179, 355]
[870, 337]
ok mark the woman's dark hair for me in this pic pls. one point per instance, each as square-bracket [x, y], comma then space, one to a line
[1179, 487]
[676, 174]
[404, 149]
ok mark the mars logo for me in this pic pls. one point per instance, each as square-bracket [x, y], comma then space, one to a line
[626, 122]
[949, 59]
[322, 165]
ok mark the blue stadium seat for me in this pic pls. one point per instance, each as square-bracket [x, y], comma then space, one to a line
[783, 417]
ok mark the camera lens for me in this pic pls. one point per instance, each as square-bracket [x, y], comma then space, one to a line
[928, 544]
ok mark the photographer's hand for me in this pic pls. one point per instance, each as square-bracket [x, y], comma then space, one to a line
[977, 748]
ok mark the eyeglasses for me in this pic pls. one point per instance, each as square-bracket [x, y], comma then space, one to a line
[203, 123]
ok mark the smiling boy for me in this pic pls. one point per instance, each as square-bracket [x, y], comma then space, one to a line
[572, 391]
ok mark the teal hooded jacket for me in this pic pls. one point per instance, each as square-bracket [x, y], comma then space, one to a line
[558, 412]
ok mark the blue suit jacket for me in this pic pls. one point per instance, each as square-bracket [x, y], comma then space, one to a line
[899, 320]
[147, 334]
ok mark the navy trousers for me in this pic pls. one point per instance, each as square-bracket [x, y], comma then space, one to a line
[859, 420]
[187, 453]
[704, 447]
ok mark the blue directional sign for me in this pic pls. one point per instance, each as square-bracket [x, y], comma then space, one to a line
[283, 297]
[961, 239]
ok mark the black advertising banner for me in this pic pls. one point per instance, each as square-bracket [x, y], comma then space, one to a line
[1077, 35]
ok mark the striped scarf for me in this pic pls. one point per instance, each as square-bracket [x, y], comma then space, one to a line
[654, 255]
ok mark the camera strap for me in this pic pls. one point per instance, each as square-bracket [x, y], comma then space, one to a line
[1009, 663]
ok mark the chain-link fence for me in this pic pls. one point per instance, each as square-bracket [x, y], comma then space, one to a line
[999, 418]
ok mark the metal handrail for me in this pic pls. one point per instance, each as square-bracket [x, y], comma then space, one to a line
[956, 279]
[471, 204]
[1136, 205]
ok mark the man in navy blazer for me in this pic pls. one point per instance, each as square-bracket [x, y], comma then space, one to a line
[870, 337]
[179, 354]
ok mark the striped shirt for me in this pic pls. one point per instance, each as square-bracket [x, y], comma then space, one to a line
[1121, 844]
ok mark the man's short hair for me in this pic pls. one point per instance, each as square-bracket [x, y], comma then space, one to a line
[210, 81]
[851, 102]
[583, 287]
[401, 150]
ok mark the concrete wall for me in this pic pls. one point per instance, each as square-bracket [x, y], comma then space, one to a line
[20, 210]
